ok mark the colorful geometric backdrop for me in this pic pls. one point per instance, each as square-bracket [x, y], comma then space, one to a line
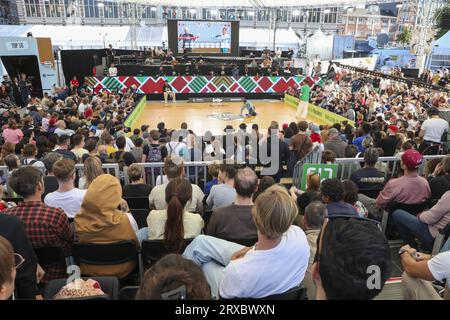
[198, 84]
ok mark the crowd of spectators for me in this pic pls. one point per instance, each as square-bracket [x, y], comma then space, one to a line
[324, 237]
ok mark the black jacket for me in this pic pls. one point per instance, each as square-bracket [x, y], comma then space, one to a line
[13, 230]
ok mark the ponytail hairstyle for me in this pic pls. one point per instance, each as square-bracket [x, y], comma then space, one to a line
[178, 193]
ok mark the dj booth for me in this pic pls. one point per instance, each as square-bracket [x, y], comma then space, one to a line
[200, 86]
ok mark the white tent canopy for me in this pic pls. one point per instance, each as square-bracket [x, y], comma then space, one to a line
[260, 38]
[442, 45]
[320, 45]
[92, 37]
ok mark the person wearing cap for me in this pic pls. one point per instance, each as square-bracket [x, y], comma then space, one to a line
[315, 134]
[335, 143]
[391, 142]
[408, 189]
[433, 131]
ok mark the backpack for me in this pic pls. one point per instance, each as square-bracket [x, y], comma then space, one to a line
[154, 155]
[120, 160]
[172, 150]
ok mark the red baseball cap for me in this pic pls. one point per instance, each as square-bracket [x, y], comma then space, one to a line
[412, 159]
[393, 128]
[285, 126]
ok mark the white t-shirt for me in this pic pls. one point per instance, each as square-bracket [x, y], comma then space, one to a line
[434, 129]
[81, 108]
[261, 273]
[440, 266]
[69, 201]
[112, 71]
[157, 197]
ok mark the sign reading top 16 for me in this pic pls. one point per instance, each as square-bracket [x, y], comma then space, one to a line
[326, 171]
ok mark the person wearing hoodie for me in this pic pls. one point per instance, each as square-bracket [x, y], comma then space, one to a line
[100, 221]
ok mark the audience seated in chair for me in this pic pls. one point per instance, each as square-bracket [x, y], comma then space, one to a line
[50, 181]
[332, 191]
[174, 278]
[137, 188]
[357, 246]
[235, 221]
[425, 226]
[369, 177]
[174, 223]
[408, 189]
[45, 226]
[420, 270]
[440, 181]
[100, 221]
[223, 194]
[234, 271]
[67, 197]
[315, 215]
[174, 168]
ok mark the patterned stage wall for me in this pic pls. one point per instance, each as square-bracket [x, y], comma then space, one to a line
[198, 84]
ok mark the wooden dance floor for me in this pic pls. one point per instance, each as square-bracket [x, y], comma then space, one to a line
[214, 117]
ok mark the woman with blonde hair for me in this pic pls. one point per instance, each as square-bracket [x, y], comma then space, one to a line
[137, 187]
[92, 169]
[7, 149]
[100, 221]
[235, 271]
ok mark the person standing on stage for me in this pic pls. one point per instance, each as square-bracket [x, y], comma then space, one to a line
[302, 109]
[249, 107]
[110, 54]
[167, 91]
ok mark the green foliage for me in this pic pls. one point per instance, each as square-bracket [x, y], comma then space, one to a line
[405, 36]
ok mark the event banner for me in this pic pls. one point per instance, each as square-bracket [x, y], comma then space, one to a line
[197, 84]
[131, 119]
[326, 171]
[327, 117]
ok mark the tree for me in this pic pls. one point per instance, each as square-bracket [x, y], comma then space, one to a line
[442, 18]
[405, 36]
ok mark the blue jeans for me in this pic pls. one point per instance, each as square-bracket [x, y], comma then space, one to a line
[142, 234]
[410, 227]
[446, 246]
[213, 255]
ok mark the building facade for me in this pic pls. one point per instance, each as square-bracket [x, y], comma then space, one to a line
[347, 18]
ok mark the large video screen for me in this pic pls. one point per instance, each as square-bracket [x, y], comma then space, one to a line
[203, 37]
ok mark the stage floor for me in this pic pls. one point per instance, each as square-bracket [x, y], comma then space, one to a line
[209, 116]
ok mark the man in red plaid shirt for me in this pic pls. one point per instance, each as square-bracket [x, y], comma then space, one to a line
[45, 226]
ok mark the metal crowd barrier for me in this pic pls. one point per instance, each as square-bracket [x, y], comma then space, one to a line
[154, 171]
[314, 156]
[347, 166]
[111, 168]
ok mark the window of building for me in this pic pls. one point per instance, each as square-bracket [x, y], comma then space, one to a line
[263, 15]
[111, 10]
[331, 17]
[148, 13]
[32, 8]
[91, 9]
[53, 9]
[314, 15]
[187, 14]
